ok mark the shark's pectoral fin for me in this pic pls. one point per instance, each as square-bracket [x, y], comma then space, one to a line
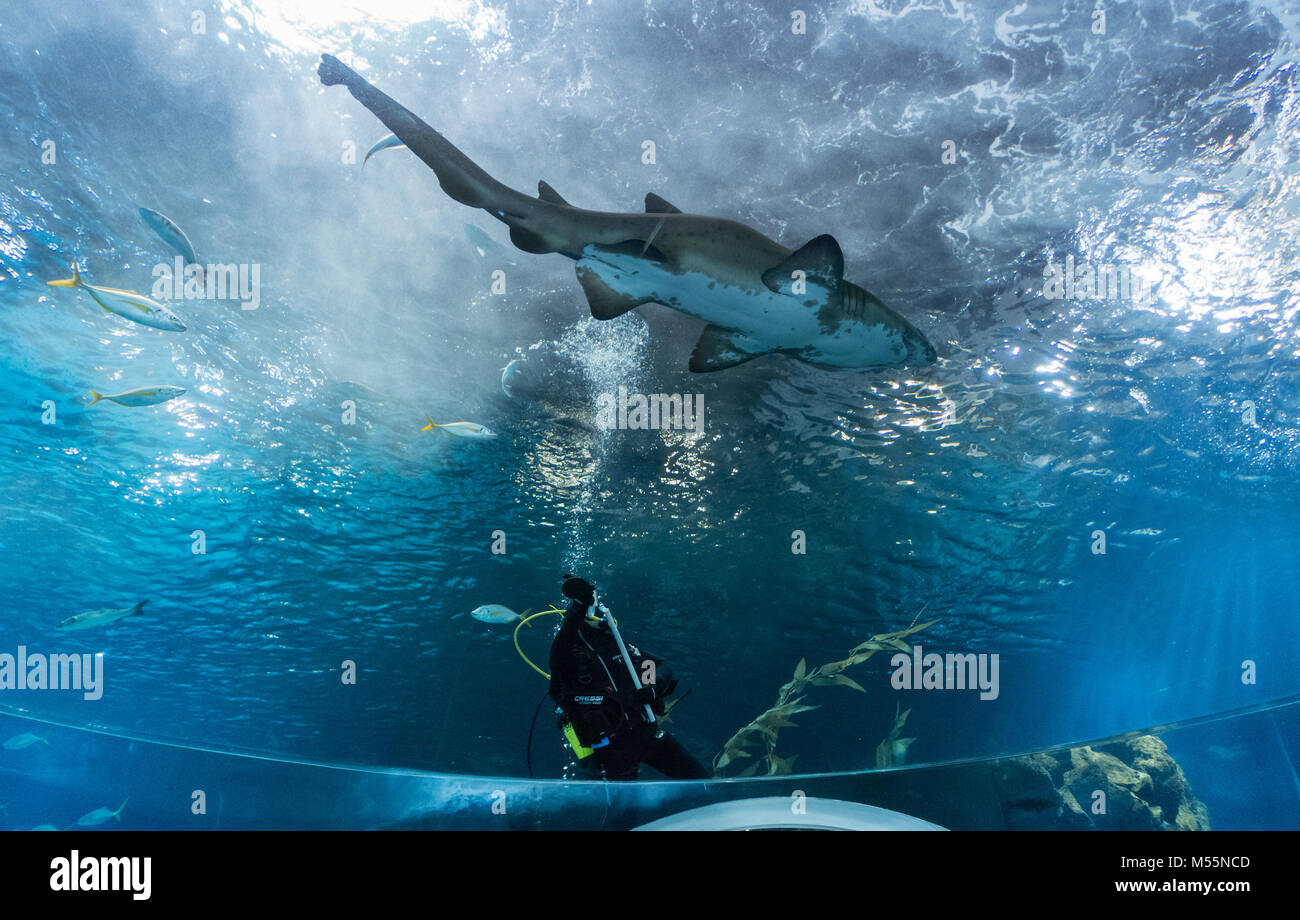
[605, 301]
[819, 264]
[548, 194]
[656, 205]
[719, 349]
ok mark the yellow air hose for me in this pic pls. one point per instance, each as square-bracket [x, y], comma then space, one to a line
[578, 749]
[551, 610]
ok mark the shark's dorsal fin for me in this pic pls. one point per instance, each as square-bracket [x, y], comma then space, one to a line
[822, 262]
[719, 349]
[548, 194]
[656, 205]
[605, 302]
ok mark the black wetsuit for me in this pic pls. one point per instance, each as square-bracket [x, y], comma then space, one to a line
[592, 686]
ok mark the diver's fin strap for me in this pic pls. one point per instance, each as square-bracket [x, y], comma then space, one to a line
[571, 735]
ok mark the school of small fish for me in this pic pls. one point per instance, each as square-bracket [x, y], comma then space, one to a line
[146, 311]
[138, 308]
[89, 819]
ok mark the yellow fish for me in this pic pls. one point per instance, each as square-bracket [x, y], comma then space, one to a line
[136, 307]
[462, 429]
[140, 396]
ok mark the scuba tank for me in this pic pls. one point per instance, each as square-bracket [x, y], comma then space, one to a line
[627, 659]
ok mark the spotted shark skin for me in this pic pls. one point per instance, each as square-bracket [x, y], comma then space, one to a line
[756, 296]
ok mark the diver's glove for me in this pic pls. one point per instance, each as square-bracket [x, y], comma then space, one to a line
[579, 589]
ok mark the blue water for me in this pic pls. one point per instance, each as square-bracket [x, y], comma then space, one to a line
[968, 491]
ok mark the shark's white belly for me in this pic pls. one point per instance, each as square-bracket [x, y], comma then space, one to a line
[769, 319]
[754, 311]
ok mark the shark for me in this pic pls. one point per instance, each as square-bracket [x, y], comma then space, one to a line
[755, 296]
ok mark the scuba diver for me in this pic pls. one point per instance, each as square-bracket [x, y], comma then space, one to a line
[609, 693]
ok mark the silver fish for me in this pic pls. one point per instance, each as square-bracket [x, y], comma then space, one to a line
[170, 233]
[100, 815]
[26, 740]
[486, 246]
[461, 429]
[384, 143]
[92, 618]
[140, 396]
[131, 304]
[508, 375]
[495, 613]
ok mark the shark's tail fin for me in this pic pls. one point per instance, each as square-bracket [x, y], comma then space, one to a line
[74, 281]
[333, 72]
[460, 177]
[139, 609]
[118, 814]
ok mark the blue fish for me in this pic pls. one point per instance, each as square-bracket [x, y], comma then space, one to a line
[509, 374]
[170, 233]
[384, 143]
[100, 815]
[485, 246]
[25, 740]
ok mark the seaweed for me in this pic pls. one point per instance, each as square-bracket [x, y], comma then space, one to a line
[757, 740]
[893, 749]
